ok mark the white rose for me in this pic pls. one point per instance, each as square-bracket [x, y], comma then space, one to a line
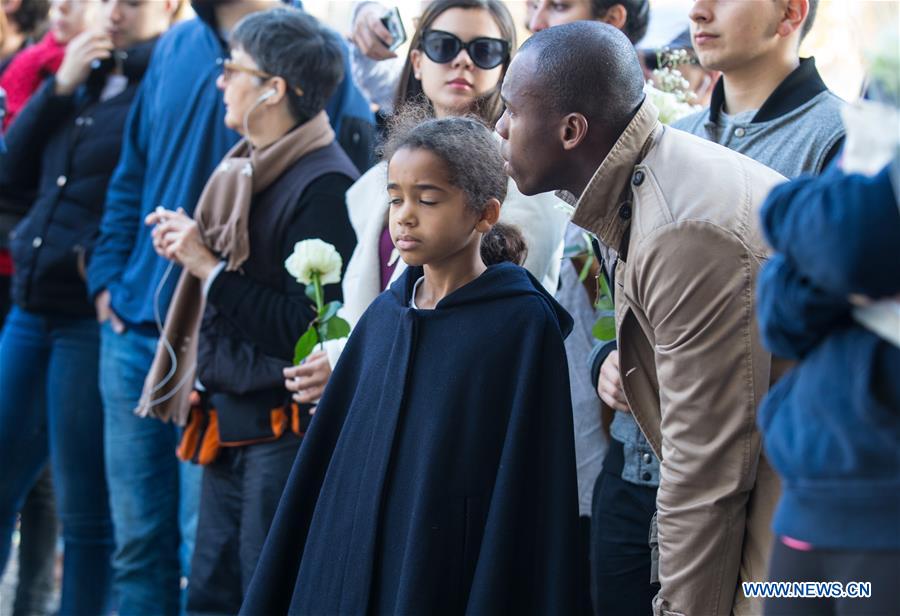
[314, 256]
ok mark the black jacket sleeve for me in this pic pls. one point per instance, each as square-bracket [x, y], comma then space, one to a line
[26, 138]
[274, 320]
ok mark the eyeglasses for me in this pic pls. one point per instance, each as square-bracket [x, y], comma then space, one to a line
[229, 68]
[442, 47]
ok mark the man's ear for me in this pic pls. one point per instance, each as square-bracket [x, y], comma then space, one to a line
[573, 130]
[795, 12]
[616, 16]
[489, 216]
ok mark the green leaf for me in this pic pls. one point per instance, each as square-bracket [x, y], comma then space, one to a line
[335, 328]
[605, 328]
[305, 345]
[329, 310]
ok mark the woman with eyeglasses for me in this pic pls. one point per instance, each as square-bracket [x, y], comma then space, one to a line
[282, 183]
[456, 62]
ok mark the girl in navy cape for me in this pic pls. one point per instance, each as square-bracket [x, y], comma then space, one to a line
[438, 474]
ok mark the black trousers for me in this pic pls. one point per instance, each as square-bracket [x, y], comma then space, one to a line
[238, 498]
[620, 550]
[880, 568]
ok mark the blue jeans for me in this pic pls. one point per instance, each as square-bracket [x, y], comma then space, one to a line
[153, 495]
[50, 408]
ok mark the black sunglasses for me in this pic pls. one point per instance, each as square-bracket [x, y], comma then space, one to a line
[443, 47]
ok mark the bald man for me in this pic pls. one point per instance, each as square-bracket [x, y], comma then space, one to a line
[678, 220]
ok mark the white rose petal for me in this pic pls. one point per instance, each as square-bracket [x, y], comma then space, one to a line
[314, 256]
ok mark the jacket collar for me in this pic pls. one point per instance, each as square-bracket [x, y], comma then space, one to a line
[802, 85]
[598, 208]
[137, 59]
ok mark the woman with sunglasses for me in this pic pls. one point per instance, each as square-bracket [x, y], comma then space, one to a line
[455, 65]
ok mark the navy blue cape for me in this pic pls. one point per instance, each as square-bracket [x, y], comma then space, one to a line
[438, 474]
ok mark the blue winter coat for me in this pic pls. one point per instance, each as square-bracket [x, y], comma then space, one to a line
[832, 424]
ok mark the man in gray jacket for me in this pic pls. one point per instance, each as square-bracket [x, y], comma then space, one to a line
[769, 104]
[681, 213]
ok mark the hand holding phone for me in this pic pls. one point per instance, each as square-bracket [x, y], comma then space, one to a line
[371, 35]
[394, 25]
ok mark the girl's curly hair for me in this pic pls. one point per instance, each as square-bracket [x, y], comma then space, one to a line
[474, 165]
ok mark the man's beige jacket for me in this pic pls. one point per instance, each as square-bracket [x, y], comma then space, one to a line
[682, 213]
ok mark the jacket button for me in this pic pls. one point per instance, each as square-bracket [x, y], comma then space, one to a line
[61, 181]
[638, 178]
[79, 121]
[646, 458]
[36, 242]
[625, 211]
[646, 476]
[739, 132]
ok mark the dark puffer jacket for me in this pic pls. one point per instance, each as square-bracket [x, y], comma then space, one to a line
[64, 149]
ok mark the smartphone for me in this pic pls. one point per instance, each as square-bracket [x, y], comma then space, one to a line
[394, 25]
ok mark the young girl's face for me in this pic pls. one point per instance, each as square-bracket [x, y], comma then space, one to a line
[429, 220]
[453, 87]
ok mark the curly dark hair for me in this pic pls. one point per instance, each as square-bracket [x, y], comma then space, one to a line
[474, 165]
[503, 243]
[31, 16]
